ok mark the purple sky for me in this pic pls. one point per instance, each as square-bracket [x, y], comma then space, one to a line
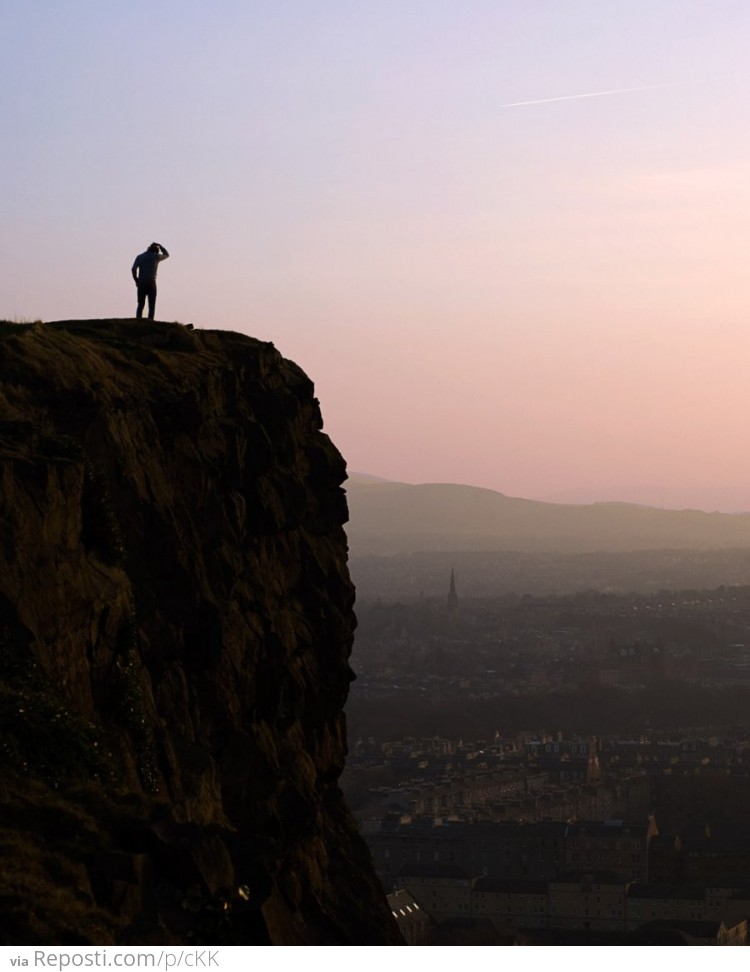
[549, 299]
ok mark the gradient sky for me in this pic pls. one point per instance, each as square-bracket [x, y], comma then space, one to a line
[549, 299]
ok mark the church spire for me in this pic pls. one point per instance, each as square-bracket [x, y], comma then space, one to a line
[452, 595]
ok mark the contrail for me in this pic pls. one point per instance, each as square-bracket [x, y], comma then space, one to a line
[591, 94]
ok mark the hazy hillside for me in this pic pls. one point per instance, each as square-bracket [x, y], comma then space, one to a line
[388, 518]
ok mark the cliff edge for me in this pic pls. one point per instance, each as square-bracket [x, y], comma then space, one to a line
[175, 625]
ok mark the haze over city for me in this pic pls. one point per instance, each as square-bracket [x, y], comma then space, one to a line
[507, 240]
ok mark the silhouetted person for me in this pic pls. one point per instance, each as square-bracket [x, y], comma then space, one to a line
[144, 273]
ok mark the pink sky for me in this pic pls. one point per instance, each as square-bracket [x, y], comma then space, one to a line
[550, 300]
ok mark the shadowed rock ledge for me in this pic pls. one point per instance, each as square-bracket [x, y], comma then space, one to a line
[175, 625]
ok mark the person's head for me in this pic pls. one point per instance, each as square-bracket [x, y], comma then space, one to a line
[154, 248]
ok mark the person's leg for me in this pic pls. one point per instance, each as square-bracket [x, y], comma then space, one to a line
[151, 300]
[141, 300]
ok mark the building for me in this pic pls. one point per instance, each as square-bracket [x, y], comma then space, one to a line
[413, 922]
[596, 902]
[510, 850]
[589, 900]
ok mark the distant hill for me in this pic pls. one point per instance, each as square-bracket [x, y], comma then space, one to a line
[390, 518]
[723, 499]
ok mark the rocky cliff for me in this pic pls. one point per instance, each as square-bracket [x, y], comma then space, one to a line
[175, 623]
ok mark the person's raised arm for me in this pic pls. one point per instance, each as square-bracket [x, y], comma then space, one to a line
[164, 255]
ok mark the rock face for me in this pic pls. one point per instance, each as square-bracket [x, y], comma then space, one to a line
[175, 623]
